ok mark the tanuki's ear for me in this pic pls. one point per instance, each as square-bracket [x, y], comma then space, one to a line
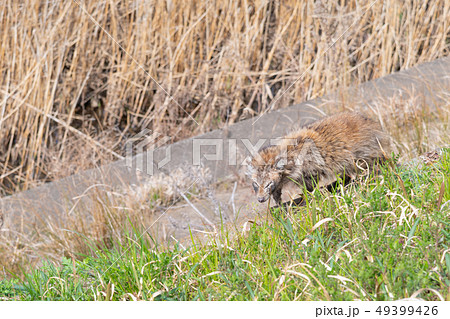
[247, 164]
[281, 163]
[247, 161]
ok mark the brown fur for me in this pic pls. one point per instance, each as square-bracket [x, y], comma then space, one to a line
[319, 152]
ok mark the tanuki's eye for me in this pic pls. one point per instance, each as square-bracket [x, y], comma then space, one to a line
[269, 185]
[255, 186]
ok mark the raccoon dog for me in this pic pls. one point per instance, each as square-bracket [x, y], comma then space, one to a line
[338, 145]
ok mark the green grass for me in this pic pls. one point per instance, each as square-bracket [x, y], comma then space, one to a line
[383, 237]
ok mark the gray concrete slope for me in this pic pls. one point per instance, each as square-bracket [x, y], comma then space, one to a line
[53, 200]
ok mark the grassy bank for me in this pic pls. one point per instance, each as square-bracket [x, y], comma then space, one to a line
[414, 127]
[384, 237]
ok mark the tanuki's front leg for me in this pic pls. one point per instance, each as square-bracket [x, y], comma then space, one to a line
[276, 195]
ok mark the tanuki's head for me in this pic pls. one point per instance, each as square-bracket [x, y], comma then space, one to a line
[266, 172]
